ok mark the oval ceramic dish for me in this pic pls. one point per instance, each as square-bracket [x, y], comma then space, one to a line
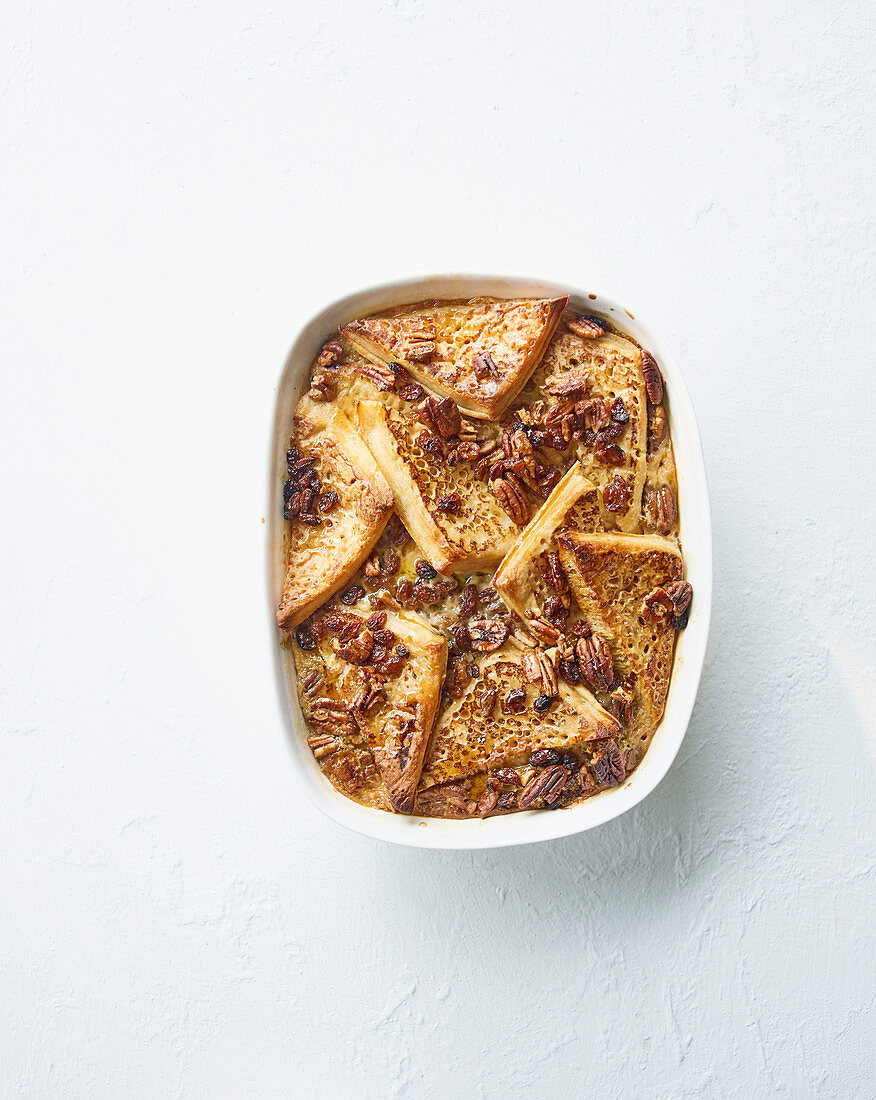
[696, 540]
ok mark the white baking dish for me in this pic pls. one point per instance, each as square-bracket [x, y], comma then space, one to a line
[696, 538]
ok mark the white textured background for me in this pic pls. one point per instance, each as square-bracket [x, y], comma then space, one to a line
[182, 186]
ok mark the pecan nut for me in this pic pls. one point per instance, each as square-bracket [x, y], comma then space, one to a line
[653, 378]
[441, 416]
[574, 381]
[323, 745]
[660, 510]
[586, 326]
[541, 629]
[322, 387]
[608, 765]
[330, 355]
[357, 650]
[487, 801]
[595, 661]
[555, 575]
[546, 787]
[657, 424]
[420, 351]
[531, 667]
[512, 498]
[621, 702]
[488, 634]
[657, 606]
[681, 594]
[380, 376]
[485, 367]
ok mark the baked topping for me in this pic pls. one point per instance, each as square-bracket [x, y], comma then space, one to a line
[431, 682]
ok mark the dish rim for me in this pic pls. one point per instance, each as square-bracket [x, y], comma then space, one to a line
[531, 826]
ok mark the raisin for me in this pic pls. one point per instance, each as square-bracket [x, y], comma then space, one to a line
[580, 629]
[411, 392]
[384, 637]
[334, 623]
[619, 411]
[391, 562]
[352, 594]
[327, 501]
[570, 672]
[449, 504]
[403, 590]
[461, 637]
[569, 760]
[509, 776]
[473, 671]
[288, 489]
[392, 666]
[616, 495]
[468, 601]
[613, 430]
[310, 519]
[555, 611]
[376, 621]
[402, 650]
[544, 758]
[543, 703]
[431, 444]
[398, 533]
[304, 637]
[456, 678]
[424, 570]
[292, 457]
[609, 453]
[516, 701]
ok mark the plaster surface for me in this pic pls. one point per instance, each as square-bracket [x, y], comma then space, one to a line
[183, 186]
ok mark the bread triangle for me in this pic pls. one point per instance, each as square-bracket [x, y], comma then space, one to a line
[320, 560]
[610, 576]
[572, 506]
[395, 722]
[472, 538]
[467, 740]
[478, 352]
[612, 366]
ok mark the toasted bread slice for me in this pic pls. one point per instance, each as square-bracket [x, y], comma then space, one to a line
[359, 709]
[320, 560]
[613, 368]
[610, 576]
[479, 352]
[476, 536]
[572, 506]
[471, 738]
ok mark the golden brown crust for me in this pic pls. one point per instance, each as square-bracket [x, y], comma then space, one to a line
[320, 560]
[466, 742]
[610, 576]
[480, 353]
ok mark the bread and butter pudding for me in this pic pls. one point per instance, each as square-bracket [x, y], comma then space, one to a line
[483, 574]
